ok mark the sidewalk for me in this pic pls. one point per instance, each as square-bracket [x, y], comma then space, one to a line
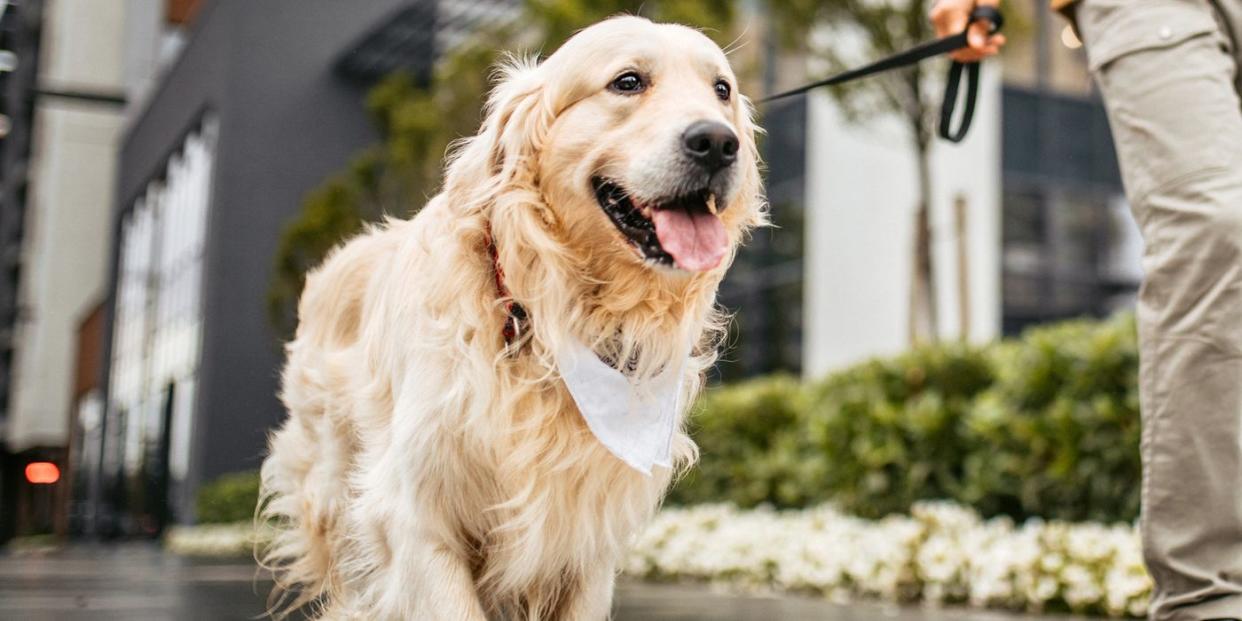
[134, 582]
[648, 602]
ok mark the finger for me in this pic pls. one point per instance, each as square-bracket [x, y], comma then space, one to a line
[981, 29]
[950, 16]
[979, 34]
[987, 52]
[993, 47]
[966, 55]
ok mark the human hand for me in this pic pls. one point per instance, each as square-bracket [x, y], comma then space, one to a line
[950, 17]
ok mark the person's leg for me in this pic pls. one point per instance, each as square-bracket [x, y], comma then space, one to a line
[1168, 70]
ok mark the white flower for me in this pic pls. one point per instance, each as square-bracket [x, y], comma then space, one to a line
[941, 553]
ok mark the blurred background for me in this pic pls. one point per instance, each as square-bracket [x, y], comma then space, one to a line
[169, 169]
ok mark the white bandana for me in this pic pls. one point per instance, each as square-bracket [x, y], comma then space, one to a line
[635, 422]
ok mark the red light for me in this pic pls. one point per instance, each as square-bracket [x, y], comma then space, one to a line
[42, 472]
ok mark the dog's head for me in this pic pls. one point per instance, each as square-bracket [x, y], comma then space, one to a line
[635, 140]
[652, 151]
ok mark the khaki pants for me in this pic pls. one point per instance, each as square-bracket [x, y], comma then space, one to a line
[1169, 74]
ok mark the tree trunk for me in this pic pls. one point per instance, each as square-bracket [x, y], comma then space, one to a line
[924, 325]
[924, 322]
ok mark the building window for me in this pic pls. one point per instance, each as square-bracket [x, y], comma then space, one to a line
[158, 325]
[763, 289]
[1069, 247]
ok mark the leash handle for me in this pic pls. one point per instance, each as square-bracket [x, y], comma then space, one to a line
[990, 14]
[920, 53]
[995, 22]
[950, 101]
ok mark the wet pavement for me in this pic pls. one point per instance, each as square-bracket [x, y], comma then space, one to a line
[137, 582]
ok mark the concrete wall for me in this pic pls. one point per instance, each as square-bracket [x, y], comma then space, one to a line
[64, 254]
[860, 209]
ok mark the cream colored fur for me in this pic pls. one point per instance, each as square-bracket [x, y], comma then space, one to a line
[426, 471]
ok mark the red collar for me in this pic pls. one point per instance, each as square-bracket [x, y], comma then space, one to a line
[515, 314]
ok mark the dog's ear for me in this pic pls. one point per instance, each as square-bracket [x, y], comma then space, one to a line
[751, 178]
[502, 156]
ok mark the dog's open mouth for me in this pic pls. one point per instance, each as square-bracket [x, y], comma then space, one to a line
[683, 231]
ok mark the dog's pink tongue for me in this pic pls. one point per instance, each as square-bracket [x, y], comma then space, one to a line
[696, 240]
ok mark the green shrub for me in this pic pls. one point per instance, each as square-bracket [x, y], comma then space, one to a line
[230, 498]
[892, 431]
[1046, 425]
[1057, 436]
[759, 456]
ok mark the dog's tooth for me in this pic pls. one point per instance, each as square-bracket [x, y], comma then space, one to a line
[711, 204]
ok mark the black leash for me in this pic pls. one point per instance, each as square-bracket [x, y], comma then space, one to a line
[919, 54]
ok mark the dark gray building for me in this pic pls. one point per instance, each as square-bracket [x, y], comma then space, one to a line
[763, 289]
[20, 32]
[1066, 224]
[264, 102]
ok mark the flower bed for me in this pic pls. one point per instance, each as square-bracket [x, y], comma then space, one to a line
[233, 539]
[942, 554]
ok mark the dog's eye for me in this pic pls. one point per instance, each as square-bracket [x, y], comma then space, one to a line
[723, 90]
[628, 83]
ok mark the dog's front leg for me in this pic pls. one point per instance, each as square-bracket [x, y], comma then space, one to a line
[453, 593]
[412, 573]
[592, 596]
[425, 581]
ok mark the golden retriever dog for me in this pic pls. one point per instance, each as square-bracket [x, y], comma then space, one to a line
[434, 464]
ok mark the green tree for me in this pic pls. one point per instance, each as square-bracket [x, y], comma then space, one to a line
[418, 122]
[393, 177]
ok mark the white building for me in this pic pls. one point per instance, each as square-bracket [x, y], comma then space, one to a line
[861, 200]
[64, 254]
[88, 58]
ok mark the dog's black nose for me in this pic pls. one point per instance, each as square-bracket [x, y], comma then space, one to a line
[710, 144]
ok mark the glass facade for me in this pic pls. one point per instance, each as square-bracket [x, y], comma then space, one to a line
[763, 289]
[1069, 246]
[157, 335]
